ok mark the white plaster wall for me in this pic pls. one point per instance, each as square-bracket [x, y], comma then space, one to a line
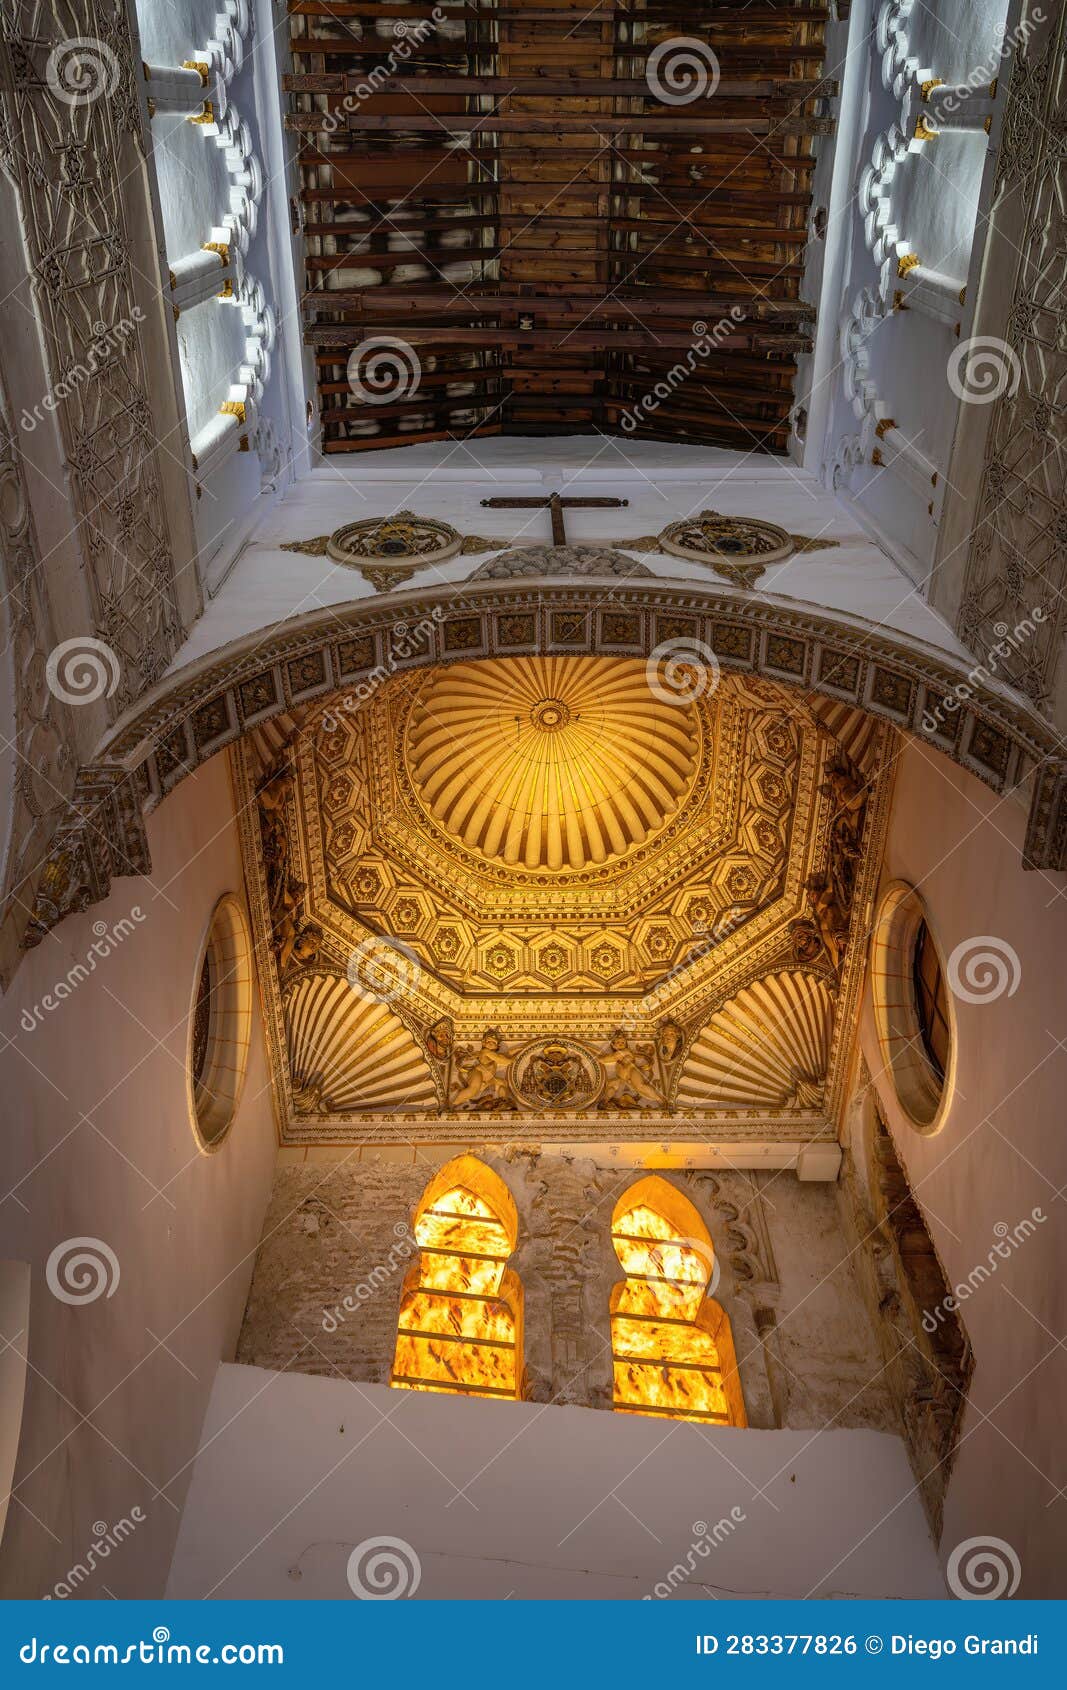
[194, 193]
[937, 194]
[97, 1143]
[502, 1500]
[1001, 1153]
[663, 483]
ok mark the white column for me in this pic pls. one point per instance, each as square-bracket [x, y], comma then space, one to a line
[225, 434]
[207, 274]
[177, 88]
[901, 456]
[961, 108]
[928, 291]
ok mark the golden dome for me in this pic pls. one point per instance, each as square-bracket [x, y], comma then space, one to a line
[550, 763]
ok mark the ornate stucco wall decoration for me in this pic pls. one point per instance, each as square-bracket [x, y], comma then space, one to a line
[65, 158]
[295, 939]
[739, 549]
[1016, 531]
[389, 550]
[43, 773]
[581, 561]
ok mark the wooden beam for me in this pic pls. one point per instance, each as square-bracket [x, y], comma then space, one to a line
[662, 302]
[786, 11]
[555, 88]
[664, 120]
[577, 340]
[720, 234]
[738, 199]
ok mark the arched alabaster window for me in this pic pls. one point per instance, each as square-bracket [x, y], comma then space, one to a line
[460, 1325]
[672, 1348]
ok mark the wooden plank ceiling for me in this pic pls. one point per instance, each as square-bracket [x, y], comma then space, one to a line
[505, 193]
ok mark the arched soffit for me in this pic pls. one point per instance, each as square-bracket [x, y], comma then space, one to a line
[197, 711]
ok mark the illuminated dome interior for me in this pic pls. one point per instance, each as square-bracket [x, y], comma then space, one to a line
[553, 763]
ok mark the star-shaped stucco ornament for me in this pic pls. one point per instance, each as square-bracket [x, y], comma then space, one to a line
[389, 550]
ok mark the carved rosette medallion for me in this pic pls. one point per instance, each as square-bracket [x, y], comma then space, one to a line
[389, 550]
[739, 548]
[556, 1074]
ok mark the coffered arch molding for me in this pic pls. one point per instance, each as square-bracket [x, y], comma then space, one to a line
[350, 650]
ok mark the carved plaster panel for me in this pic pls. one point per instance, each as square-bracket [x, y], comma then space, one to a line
[64, 154]
[1017, 551]
[43, 767]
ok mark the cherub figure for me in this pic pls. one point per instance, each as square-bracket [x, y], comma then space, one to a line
[629, 1083]
[484, 1074]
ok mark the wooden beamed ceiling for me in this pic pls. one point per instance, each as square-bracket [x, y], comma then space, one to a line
[506, 194]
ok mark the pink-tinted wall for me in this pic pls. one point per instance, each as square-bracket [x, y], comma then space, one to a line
[97, 1144]
[1000, 1156]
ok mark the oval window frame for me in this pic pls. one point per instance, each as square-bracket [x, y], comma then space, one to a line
[215, 1096]
[923, 1101]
